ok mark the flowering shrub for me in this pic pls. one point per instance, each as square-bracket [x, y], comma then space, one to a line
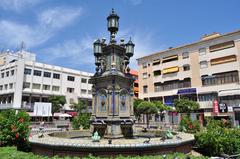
[82, 120]
[188, 125]
[217, 139]
[14, 129]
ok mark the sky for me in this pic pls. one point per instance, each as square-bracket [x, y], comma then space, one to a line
[61, 32]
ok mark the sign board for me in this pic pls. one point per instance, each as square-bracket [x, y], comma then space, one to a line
[187, 91]
[215, 107]
[42, 109]
[223, 107]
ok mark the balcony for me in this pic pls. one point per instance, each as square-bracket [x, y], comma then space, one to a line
[6, 105]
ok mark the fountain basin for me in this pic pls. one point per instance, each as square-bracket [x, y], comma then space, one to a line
[79, 143]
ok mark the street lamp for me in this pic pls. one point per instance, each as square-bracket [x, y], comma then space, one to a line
[113, 23]
[130, 48]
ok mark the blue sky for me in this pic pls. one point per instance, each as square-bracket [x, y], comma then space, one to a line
[61, 32]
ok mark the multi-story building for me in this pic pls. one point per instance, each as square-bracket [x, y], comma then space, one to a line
[204, 71]
[135, 85]
[23, 81]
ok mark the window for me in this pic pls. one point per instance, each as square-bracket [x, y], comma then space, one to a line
[55, 88]
[37, 73]
[26, 85]
[145, 89]
[10, 85]
[207, 97]
[89, 91]
[185, 55]
[220, 78]
[170, 85]
[47, 74]
[70, 78]
[83, 91]
[12, 72]
[157, 73]
[70, 90]
[7, 73]
[221, 46]
[156, 62]
[27, 71]
[186, 67]
[2, 75]
[144, 65]
[36, 86]
[203, 64]
[46, 87]
[71, 100]
[145, 75]
[56, 75]
[5, 86]
[84, 80]
[170, 58]
[1, 87]
[202, 51]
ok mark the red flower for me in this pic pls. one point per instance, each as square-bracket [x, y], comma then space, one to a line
[17, 135]
[21, 120]
[190, 126]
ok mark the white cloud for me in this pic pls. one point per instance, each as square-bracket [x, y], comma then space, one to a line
[12, 34]
[17, 5]
[49, 22]
[59, 17]
[77, 52]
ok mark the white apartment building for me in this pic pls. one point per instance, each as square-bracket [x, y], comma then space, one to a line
[24, 81]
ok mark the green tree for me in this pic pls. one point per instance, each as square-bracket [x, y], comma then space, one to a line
[147, 108]
[57, 103]
[185, 106]
[83, 117]
[161, 108]
[136, 103]
[80, 107]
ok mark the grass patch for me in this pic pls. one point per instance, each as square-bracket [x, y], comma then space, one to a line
[12, 153]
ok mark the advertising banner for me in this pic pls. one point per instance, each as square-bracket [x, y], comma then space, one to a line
[42, 109]
[215, 107]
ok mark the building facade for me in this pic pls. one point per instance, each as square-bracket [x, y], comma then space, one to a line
[135, 86]
[204, 71]
[23, 81]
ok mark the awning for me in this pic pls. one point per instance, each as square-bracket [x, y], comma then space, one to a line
[170, 70]
[32, 114]
[65, 115]
[170, 57]
[61, 115]
[229, 92]
[72, 113]
[224, 59]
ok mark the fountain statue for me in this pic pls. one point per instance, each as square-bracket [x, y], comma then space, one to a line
[112, 114]
[96, 137]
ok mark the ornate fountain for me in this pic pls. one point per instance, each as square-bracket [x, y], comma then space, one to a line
[112, 113]
[112, 116]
